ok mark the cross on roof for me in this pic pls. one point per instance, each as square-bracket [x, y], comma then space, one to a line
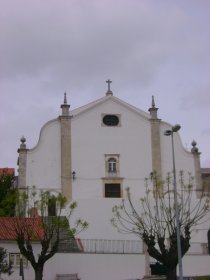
[109, 82]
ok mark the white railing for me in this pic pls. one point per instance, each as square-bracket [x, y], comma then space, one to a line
[101, 246]
[106, 246]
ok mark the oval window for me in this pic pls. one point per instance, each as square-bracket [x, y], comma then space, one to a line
[111, 120]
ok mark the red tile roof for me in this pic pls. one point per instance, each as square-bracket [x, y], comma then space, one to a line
[7, 170]
[31, 227]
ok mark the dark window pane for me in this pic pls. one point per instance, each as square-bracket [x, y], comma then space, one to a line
[112, 190]
[111, 120]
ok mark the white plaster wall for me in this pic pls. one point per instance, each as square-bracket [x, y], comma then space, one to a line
[183, 159]
[43, 161]
[132, 141]
[98, 213]
[105, 266]
[91, 141]
[196, 265]
[95, 267]
[116, 267]
[201, 230]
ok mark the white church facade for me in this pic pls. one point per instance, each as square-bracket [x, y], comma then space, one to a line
[107, 142]
[91, 155]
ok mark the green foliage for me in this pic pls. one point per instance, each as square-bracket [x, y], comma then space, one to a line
[5, 267]
[7, 195]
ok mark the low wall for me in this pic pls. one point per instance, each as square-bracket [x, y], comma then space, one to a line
[108, 266]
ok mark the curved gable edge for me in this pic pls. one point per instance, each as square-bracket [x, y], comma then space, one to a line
[177, 134]
[42, 132]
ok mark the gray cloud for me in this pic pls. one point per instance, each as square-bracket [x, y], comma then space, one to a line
[147, 47]
[73, 37]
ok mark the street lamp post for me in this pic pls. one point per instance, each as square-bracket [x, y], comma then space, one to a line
[21, 267]
[179, 249]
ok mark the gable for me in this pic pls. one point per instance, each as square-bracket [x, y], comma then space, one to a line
[111, 101]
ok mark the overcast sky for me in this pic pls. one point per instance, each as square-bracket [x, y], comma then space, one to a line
[147, 47]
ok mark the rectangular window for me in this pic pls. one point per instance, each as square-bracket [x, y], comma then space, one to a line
[112, 190]
[14, 258]
[112, 166]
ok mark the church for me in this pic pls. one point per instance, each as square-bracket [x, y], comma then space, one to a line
[98, 150]
[91, 155]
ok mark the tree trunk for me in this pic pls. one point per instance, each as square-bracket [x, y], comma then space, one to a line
[39, 273]
[171, 274]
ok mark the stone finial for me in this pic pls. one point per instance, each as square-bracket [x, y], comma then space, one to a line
[23, 145]
[65, 98]
[65, 107]
[109, 92]
[153, 102]
[194, 149]
[197, 168]
[153, 110]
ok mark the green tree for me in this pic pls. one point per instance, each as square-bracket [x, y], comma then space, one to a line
[7, 195]
[153, 219]
[48, 231]
[5, 267]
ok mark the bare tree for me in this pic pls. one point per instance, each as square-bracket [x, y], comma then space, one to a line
[38, 226]
[153, 218]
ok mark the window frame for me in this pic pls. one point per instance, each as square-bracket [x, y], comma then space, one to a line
[16, 260]
[112, 165]
[118, 116]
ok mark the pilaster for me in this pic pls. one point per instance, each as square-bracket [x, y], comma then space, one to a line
[197, 166]
[155, 140]
[66, 167]
[22, 160]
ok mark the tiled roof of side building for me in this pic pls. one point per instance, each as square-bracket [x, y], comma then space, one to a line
[31, 227]
[7, 170]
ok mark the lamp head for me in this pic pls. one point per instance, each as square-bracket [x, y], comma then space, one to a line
[176, 127]
[167, 132]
